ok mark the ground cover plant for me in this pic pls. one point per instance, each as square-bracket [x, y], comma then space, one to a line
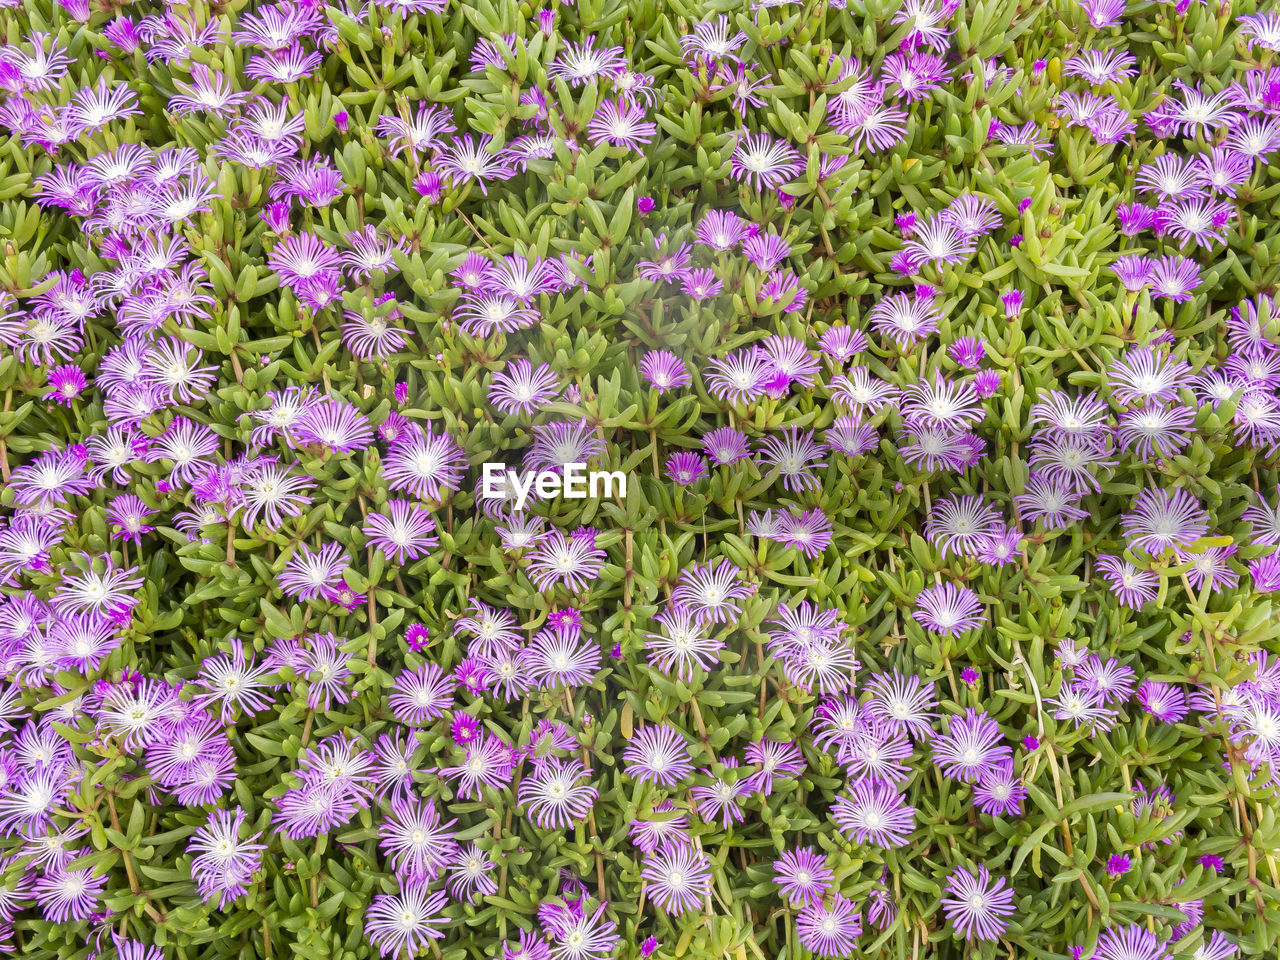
[934, 341]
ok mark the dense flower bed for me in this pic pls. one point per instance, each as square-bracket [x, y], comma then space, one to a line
[933, 340]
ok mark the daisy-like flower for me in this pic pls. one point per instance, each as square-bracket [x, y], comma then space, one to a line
[660, 830]
[739, 377]
[418, 842]
[949, 609]
[1000, 791]
[308, 574]
[562, 657]
[1081, 705]
[830, 929]
[719, 798]
[874, 812]
[1132, 586]
[977, 907]
[1201, 221]
[686, 468]
[425, 464]
[422, 695]
[1155, 430]
[522, 388]
[677, 878]
[621, 123]
[1174, 277]
[904, 701]
[469, 875]
[579, 63]
[658, 754]
[802, 875]
[1070, 458]
[405, 922]
[930, 22]
[557, 444]
[224, 863]
[957, 523]
[573, 560]
[233, 681]
[808, 532]
[373, 336]
[904, 318]
[793, 454]
[710, 592]
[272, 492]
[939, 241]
[683, 643]
[764, 162]
[578, 935]
[1101, 66]
[971, 746]
[1109, 678]
[1265, 521]
[66, 896]
[1165, 702]
[1129, 942]
[941, 403]
[487, 763]
[1161, 519]
[775, 759]
[712, 40]
[552, 795]
[1145, 374]
[725, 445]
[405, 533]
[335, 424]
[466, 160]
[1263, 29]
[722, 230]
[1197, 112]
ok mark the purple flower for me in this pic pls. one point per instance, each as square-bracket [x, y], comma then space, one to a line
[66, 896]
[710, 592]
[425, 464]
[1163, 519]
[763, 162]
[405, 533]
[999, 791]
[1129, 942]
[677, 878]
[552, 795]
[978, 908]
[224, 863]
[1117, 865]
[1266, 573]
[874, 812]
[1132, 586]
[802, 875]
[1165, 702]
[664, 370]
[957, 523]
[621, 123]
[422, 695]
[405, 922]
[971, 746]
[725, 445]
[658, 754]
[949, 609]
[683, 644]
[307, 574]
[829, 929]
